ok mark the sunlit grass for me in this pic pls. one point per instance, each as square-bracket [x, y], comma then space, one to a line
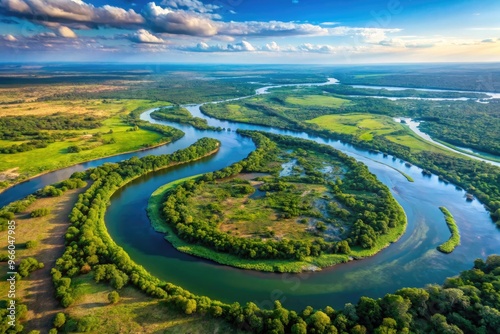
[56, 156]
[317, 100]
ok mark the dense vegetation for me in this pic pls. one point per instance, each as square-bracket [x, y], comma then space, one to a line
[479, 178]
[36, 130]
[470, 77]
[177, 88]
[358, 203]
[467, 124]
[454, 240]
[468, 303]
[88, 244]
[181, 115]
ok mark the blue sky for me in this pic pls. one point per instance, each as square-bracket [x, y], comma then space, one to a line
[250, 31]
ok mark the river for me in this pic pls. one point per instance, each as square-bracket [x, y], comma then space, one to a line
[412, 261]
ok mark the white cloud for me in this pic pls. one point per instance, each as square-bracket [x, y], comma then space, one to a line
[273, 46]
[272, 28]
[144, 36]
[9, 38]
[243, 46]
[308, 47]
[70, 12]
[165, 20]
[66, 32]
[329, 23]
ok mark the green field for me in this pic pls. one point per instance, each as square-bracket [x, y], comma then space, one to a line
[364, 126]
[317, 100]
[93, 142]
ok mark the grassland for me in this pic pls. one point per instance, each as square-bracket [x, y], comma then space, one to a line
[136, 312]
[317, 100]
[450, 245]
[364, 126]
[28, 100]
[113, 137]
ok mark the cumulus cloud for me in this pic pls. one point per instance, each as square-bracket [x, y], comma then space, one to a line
[70, 12]
[65, 32]
[316, 48]
[165, 20]
[9, 38]
[273, 46]
[243, 46]
[488, 40]
[272, 28]
[144, 36]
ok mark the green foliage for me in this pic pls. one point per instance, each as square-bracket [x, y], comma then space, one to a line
[28, 265]
[375, 213]
[87, 323]
[181, 115]
[454, 241]
[89, 245]
[41, 212]
[31, 244]
[74, 149]
[59, 320]
[51, 191]
[114, 297]
[34, 127]
[20, 310]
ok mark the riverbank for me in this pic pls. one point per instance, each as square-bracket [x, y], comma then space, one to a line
[170, 140]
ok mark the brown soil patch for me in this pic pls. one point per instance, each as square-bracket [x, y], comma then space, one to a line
[9, 174]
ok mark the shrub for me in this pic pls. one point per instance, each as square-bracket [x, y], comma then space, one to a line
[113, 297]
[74, 149]
[40, 212]
[28, 265]
[87, 323]
[59, 320]
[31, 244]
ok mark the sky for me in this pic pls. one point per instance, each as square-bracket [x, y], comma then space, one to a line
[250, 31]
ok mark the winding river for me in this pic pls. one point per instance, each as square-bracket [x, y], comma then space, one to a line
[412, 261]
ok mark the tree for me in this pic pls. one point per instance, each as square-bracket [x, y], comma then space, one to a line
[113, 297]
[59, 320]
[299, 328]
[369, 312]
[319, 321]
[190, 306]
